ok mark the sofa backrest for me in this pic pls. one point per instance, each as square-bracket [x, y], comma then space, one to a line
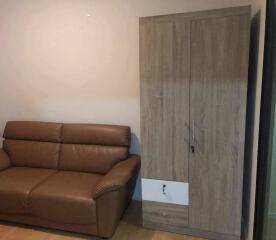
[92, 147]
[33, 144]
[73, 147]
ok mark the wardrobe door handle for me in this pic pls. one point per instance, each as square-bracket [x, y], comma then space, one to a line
[193, 149]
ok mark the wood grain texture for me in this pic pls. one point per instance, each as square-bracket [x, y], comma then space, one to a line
[130, 228]
[165, 214]
[164, 68]
[190, 231]
[219, 66]
[210, 68]
[217, 13]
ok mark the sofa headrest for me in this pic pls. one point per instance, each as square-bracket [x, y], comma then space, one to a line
[33, 131]
[92, 134]
[96, 134]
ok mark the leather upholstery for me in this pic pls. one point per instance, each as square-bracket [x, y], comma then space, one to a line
[16, 183]
[112, 204]
[4, 160]
[91, 229]
[76, 177]
[66, 197]
[118, 176]
[90, 158]
[96, 134]
[110, 208]
[35, 131]
[32, 154]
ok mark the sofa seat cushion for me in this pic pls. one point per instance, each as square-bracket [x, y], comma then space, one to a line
[66, 197]
[16, 183]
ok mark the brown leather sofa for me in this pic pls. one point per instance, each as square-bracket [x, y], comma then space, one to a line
[75, 177]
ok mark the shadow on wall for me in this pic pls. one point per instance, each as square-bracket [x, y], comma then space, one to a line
[135, 149]
[251, 101]
[135, 144]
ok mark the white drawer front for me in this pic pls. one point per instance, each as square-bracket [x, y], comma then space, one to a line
[174, 192]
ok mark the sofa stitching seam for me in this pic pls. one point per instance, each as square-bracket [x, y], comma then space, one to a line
[60, 145]
[27, 203]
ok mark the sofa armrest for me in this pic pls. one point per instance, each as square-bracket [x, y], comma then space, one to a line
[4, 160]
[118, 176]
[114, 193]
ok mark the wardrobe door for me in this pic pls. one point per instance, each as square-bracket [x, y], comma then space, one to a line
[165, 71]
[219, 66]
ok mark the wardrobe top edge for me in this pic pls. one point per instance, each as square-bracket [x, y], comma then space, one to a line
[220, 12]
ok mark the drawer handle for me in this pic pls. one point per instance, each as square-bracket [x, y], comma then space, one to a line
[164, 189]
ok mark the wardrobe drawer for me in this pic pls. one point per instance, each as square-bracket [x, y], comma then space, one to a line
[157, 214]
[170, 192]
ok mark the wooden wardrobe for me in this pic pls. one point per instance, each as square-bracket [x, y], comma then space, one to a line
[194, 72]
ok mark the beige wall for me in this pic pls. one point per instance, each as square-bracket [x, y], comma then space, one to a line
[78, 60]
